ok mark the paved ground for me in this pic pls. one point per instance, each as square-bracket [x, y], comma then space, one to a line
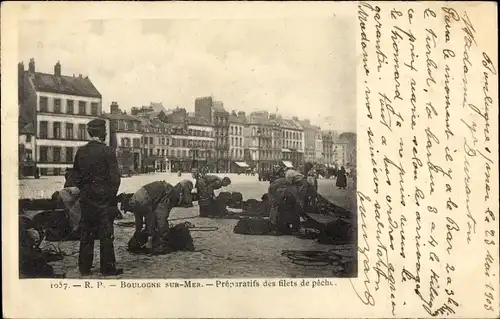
[220, 253]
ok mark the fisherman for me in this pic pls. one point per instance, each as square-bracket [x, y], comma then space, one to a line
[151, 205]
[283, 206]
[299, 181]
[312, 188]
[206, 185]
[98, 179]
[186, 198]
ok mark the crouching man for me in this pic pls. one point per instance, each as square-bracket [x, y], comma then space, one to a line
[186, 198]
[206, 185]
[302, 187]
[151, 205]
[284, 210]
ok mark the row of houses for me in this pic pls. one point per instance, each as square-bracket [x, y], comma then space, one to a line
[54, 110]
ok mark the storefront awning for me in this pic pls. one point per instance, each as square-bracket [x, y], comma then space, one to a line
[286, 150]
[288, 164]
[242, 164]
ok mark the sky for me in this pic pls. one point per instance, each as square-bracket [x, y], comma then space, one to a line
[302, 67]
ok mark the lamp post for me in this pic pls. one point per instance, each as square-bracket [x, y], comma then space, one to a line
[258, 148]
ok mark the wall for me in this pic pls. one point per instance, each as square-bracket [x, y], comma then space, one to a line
[64, 102]
[235, 147]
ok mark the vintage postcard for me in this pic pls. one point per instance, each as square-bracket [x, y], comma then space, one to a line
[250, 159]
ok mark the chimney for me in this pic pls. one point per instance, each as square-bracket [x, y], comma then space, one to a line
[57, 69]
[295, 118]
[31, 66]
[114, 108]
[20, 68]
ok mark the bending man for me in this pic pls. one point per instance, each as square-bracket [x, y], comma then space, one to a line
[152, 204]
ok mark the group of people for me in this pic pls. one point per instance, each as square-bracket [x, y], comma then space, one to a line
[90, 194]
[91, 188]
[292, 195]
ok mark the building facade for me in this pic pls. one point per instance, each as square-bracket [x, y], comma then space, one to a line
[327, 141]
[221, 129]
[293, 142]
[318, 149]
[339, 153]
[60, 107]
[192, 142]
[236, 142]
[154, 144]
[260, 134]
[213, 111]
[126, 138]
[26, 149]
[310, 136]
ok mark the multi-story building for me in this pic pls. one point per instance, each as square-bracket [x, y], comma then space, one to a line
[327, 141]
[350, 140]
[293, 142]
[192, 142]
[318, 149]
[126, 135]
[154, 143]
[59, 107]
[236, 142]
[260, 140]
[339, 153]
[27, 138]
[213, 111]
[310, 138]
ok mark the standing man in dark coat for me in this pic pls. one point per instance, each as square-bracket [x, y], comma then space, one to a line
[98, 178]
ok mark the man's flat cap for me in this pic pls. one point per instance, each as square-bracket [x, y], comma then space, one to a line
[97, 123]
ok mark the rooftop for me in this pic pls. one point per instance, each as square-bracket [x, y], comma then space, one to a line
[197, 120]
[121, 116]
[70, 85]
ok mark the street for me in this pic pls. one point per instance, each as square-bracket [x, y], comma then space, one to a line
[219, 253]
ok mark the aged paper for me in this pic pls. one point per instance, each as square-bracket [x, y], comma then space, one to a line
[427, 205]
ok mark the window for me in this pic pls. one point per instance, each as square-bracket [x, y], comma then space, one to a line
[70, 108]
[151, 140]
[241, 141]
[57, 105]
[82, 133]
[163, 152]
[136, 142]
[57, 130]
[184, 153]
[69, 154]
[56, 155]
[44, 104]
[157, 152]
[69, 131]
[44, 154]
[163, 141]
[81, 107]
[28, 138]
[93, 108]
[44, 129]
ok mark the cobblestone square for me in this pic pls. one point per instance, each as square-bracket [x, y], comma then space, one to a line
[220, 253]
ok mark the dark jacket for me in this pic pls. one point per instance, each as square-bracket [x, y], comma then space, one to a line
[158, 190]
[96, 171]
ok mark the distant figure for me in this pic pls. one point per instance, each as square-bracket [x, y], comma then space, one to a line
[341, 178]
[186, 198]
[205, 186]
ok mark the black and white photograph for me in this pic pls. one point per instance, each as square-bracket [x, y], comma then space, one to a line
[187, 148]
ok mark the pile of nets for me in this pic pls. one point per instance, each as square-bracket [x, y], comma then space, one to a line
[178, 239]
